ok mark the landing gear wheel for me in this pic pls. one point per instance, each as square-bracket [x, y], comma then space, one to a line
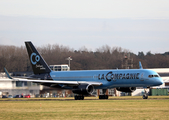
[103, 96]
[106, 97]
[145, 96]
[79, 97]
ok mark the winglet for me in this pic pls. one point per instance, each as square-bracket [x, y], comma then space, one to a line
[7, 73]
[140, 65]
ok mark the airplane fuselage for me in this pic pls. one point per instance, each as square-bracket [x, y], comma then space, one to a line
[111, 78]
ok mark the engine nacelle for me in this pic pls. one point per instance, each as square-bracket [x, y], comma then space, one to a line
[126, 89]
[84, 89]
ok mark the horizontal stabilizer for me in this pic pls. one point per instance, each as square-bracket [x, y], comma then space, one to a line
[7, 73]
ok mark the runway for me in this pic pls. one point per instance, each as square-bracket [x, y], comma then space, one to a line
[86, 98]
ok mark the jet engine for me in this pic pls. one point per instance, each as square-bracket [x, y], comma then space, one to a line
[84, 89]
[126, 89]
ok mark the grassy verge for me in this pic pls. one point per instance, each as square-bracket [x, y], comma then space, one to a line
[116, 108]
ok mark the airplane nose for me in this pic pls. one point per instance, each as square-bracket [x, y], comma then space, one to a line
[160, 81]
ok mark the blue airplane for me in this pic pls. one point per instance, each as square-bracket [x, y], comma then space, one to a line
[84, 82]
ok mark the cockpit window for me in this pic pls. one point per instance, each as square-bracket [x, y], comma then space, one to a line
[156, 76]
[150, 76]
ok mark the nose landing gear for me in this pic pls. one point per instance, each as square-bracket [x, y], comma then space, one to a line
[145, 95]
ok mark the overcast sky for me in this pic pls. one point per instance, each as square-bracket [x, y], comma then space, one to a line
[137, 25]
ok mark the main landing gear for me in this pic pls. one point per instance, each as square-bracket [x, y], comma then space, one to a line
[81, 97]
[104, 96]
[145, 95]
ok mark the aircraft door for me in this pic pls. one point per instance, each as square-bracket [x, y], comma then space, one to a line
[114, 77]
[142, 77]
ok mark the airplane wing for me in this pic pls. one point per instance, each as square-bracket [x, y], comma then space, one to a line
[54, 81]
[59, 82]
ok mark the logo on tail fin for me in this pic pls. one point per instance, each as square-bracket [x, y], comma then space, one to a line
[37, 58]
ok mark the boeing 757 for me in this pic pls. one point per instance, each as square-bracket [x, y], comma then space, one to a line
[84, 82]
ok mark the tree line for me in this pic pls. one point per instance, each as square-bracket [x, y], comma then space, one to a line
[15, 58]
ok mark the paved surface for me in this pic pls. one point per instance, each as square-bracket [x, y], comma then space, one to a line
[87, 98]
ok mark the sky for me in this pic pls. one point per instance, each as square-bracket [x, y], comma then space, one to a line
[136, 25]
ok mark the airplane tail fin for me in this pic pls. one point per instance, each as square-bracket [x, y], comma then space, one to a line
[39, 65]
[140, 65]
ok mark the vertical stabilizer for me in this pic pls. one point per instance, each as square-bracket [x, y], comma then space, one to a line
[39, 66]
[140, 65]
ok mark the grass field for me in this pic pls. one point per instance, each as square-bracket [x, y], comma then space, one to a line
[116, 108]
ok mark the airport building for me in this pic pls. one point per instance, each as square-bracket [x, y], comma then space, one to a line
[9, 87]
